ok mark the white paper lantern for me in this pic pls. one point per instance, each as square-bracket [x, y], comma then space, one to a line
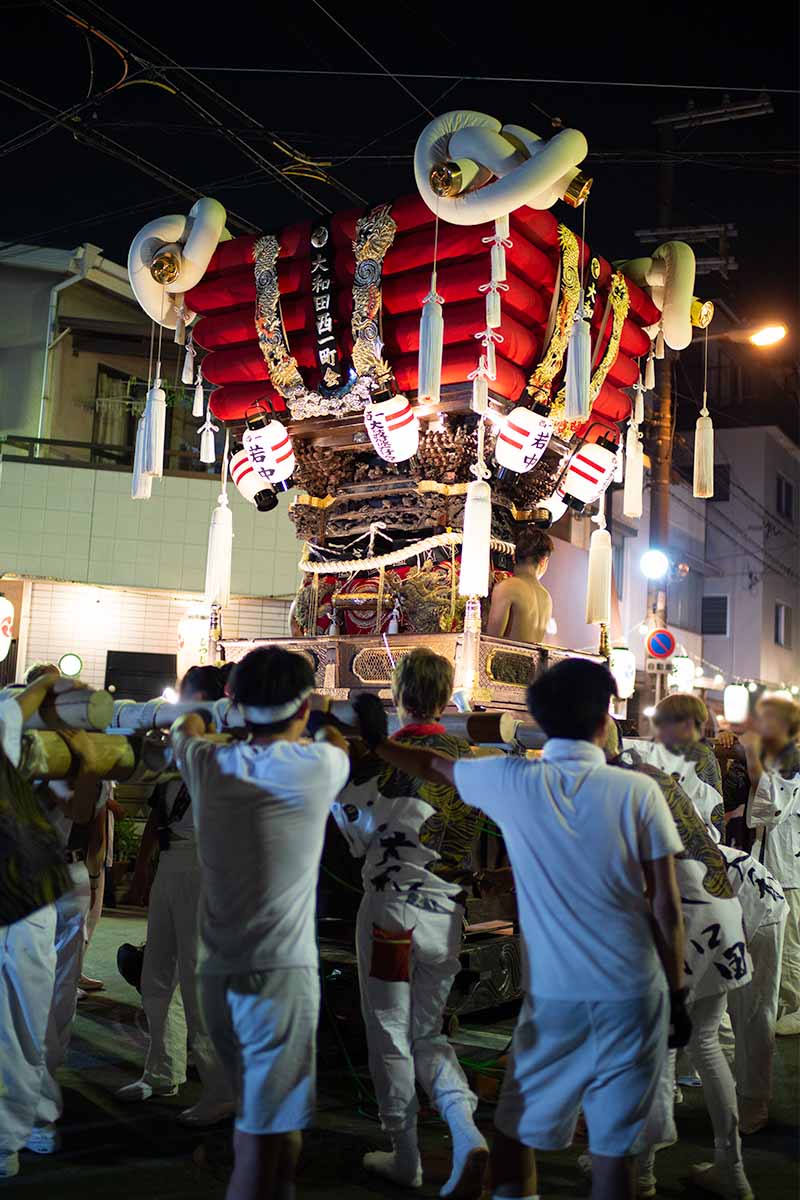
[681, 676]
[556, 506]
[522, 439]
[192, 641]
[270, 452]
[476, 548]
[6, 626]
[393, 429]
[588, 474]
[622, 665]
[736, 703]
[249, 484]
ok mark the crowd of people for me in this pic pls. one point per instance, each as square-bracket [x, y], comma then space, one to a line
[657, 898]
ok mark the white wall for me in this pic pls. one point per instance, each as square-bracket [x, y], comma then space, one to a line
[90, 621]
[77, 524]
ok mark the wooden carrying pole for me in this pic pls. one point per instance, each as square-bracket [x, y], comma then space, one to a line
[81, 708]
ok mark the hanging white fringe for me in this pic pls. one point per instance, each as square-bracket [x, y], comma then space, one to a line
[492, 292]
[704, 455]
[577, 401]
[650, 371]
[198, 404]
[490, 338]
[187, 374]
[155, 423]
[208, 446]
[475, 549]
[637, 415]
[431, 340]
[619, 469]
[480, 387]
[141, 484]
[634, 473]
[220, 544]
[659, 344]
[598, 586]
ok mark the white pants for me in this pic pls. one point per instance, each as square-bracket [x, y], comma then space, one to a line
[403, 1017]
[72, 910]
[27, 975]
[790, 970]
[753, 1010]
[170, 958]
[719, 1089]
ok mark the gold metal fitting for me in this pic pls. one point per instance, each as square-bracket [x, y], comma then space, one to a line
[605, 645]
[446, 179]
[701, 313]
[165, 267]
[578, 191]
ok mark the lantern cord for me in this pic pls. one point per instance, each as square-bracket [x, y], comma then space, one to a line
[224, 478]
[704, 409]
[584, 255]
[161, 329]
[150, 362]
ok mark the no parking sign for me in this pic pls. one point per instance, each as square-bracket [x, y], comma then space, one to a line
[660, 644]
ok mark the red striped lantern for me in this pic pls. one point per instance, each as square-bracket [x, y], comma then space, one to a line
[269, 449]
[588, 474]
[522, 439]
[249, 484]
[393, 429]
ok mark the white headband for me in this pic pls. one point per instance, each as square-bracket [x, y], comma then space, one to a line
[274, 713]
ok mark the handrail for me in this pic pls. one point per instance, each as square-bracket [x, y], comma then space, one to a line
[121, 456]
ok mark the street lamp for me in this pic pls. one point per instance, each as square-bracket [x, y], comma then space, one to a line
[654, 564]
[769, 335]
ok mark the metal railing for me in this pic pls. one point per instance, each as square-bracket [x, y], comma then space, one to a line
[63, 452]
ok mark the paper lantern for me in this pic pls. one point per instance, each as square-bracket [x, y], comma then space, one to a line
[269, 449]
[522, 439]
[192, 641]
[588, 474]
[682, 674]
[249, 484]
[393, 429]
[6, 626]
[556, 506]
[622, 665]
[476, 547]
[736, 703]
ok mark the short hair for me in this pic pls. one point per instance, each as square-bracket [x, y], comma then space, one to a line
[422, 682]
[38, 669]
[571, 700]
[207, 680]
[533, 545]
[270, 676]
[786, 708]
[681, 706]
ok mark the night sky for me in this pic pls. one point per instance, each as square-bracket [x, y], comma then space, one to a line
[60, 192]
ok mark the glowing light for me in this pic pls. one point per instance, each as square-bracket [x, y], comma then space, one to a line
[70, 665]
[769, 335]
[794, 689]
[643, 629]
[682, 674]
[649, 711]
[698, 672]
[170, 695]
[736, 702]
[622, 665]
[719, 679]
[752, 687]
[654, 564]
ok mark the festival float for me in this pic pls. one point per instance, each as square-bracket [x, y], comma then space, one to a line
[431, 375]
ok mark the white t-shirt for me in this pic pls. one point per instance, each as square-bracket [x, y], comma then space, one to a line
[773, 810]
[10, 728]
[577, 832]
[260, 814]
[706, 799]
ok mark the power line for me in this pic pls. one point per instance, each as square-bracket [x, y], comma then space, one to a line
[526, 79]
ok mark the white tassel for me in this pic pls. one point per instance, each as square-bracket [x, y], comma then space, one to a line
[141, 484]
[502, 227]
[208, 448]
[704, 455]
[198, 404]
[491, 358]
[659, 344]
[187, 374]
[619, 469]
[638, 403]
[634, 473]
[155, 423]
[480, 389]
[476, 546]
[180, 326]
[498, 262]
[577, 402]
[431, 340]
[598, 587]
[493, 317]
[220, 550]
[650, 371]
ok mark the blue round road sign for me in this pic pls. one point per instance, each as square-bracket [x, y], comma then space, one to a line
[660, 643]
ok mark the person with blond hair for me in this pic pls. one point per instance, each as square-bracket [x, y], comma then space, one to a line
[417, 840]
[680, 721]
[773, 810]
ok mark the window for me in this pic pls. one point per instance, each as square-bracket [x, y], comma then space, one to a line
[684, 599]
[714, 621]
[722, 482]
[783, 626]
[784, 497]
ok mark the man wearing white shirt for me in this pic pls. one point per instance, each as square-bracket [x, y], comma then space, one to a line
[592, 849]
[261, 806]
[773, 811]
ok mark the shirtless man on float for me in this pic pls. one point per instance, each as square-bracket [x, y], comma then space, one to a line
[521, 607]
